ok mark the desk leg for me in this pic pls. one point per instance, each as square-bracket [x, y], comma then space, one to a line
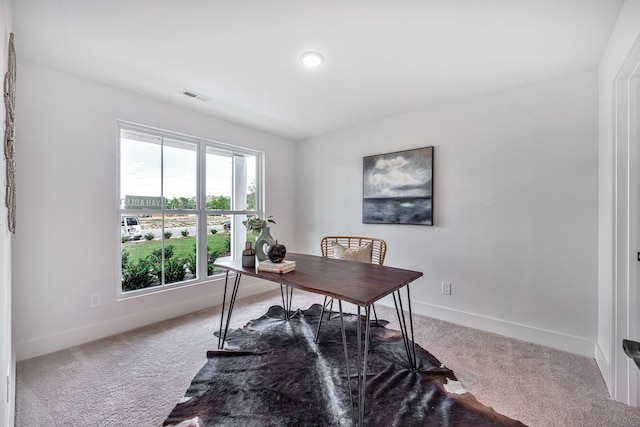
[346, 361]
[324, 307]
[287, 298]
[361, 362]
[362, 369]
[409, 342]
[222, 336]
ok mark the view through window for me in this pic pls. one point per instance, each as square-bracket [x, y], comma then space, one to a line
[182, 201]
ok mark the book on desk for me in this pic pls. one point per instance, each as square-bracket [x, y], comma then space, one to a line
[281, 267]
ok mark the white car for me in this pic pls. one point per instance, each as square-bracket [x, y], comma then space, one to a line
[131, 228]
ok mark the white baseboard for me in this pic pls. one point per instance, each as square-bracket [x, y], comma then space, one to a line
[86, 333]
[506, 328]
[69, 338]
[604, 364]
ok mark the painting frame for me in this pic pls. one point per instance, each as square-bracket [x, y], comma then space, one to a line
[397, 187]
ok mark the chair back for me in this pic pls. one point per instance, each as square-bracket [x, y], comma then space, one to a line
[378, 246]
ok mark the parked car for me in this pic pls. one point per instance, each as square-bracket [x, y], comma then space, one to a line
[131, 227]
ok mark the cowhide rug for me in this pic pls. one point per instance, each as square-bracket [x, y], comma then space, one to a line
[271, 373]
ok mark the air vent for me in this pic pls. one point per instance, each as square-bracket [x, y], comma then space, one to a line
[192, 94]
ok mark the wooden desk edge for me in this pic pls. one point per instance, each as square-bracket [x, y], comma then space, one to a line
[281, 279]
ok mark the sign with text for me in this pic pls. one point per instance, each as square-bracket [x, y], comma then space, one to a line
[142, 202]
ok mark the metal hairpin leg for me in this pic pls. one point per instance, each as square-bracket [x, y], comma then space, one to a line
[324, 306]
[222, 336]
[375, 315]
[362, 370]
[287, 298]
[346, 361]
[361, 362]
[409, 342]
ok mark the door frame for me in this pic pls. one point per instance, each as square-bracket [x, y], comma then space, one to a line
[626, 295]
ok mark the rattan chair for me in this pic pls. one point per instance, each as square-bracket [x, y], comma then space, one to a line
[378, 252]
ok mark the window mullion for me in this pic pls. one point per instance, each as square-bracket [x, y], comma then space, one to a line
[239, 199]
[163, 208]
[202, 238]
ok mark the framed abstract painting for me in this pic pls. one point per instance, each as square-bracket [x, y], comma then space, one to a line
[398, 187]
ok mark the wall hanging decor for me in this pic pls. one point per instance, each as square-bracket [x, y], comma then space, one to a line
[398, 188]
[9, 136]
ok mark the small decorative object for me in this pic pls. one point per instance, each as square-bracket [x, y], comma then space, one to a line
[259, 228]
[280, 267]
[262, 242]
[248, 256]
[398, 188]
[276, 252]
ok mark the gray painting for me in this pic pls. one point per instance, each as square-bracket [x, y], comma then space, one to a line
[398, 188]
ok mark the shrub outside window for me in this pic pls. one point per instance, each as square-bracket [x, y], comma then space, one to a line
[181, 203]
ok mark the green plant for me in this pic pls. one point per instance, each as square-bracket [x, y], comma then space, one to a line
[148, 254]
[168, 234]
[214, 231]
[149, 236]
[173, 270]
[256, 224]
[191, 261]
[184, 233]
[125, 239]
[138, 276]
[212, 256]
[168, 252]
[125, 258]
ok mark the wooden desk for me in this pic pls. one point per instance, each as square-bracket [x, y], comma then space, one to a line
[358, 283]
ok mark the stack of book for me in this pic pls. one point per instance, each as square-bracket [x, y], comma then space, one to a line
[281, 267]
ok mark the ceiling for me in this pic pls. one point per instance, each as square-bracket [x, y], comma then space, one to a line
[383, 57]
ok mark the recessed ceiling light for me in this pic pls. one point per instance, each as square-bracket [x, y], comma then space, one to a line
[312, 59]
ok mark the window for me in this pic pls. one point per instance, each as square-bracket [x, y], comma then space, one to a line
[182, 201]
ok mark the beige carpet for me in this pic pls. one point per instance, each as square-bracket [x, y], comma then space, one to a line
[136, 378]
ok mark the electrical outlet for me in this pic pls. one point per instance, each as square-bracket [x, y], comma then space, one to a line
[95, 300]
[446, 288]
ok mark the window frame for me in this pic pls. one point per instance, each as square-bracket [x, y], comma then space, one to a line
[238, 191]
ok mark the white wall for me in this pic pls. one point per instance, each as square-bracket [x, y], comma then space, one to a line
[613, 212]
[7, 355]
[515, 208]
[65, 249]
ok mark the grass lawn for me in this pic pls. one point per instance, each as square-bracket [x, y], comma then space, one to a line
[182, 246]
